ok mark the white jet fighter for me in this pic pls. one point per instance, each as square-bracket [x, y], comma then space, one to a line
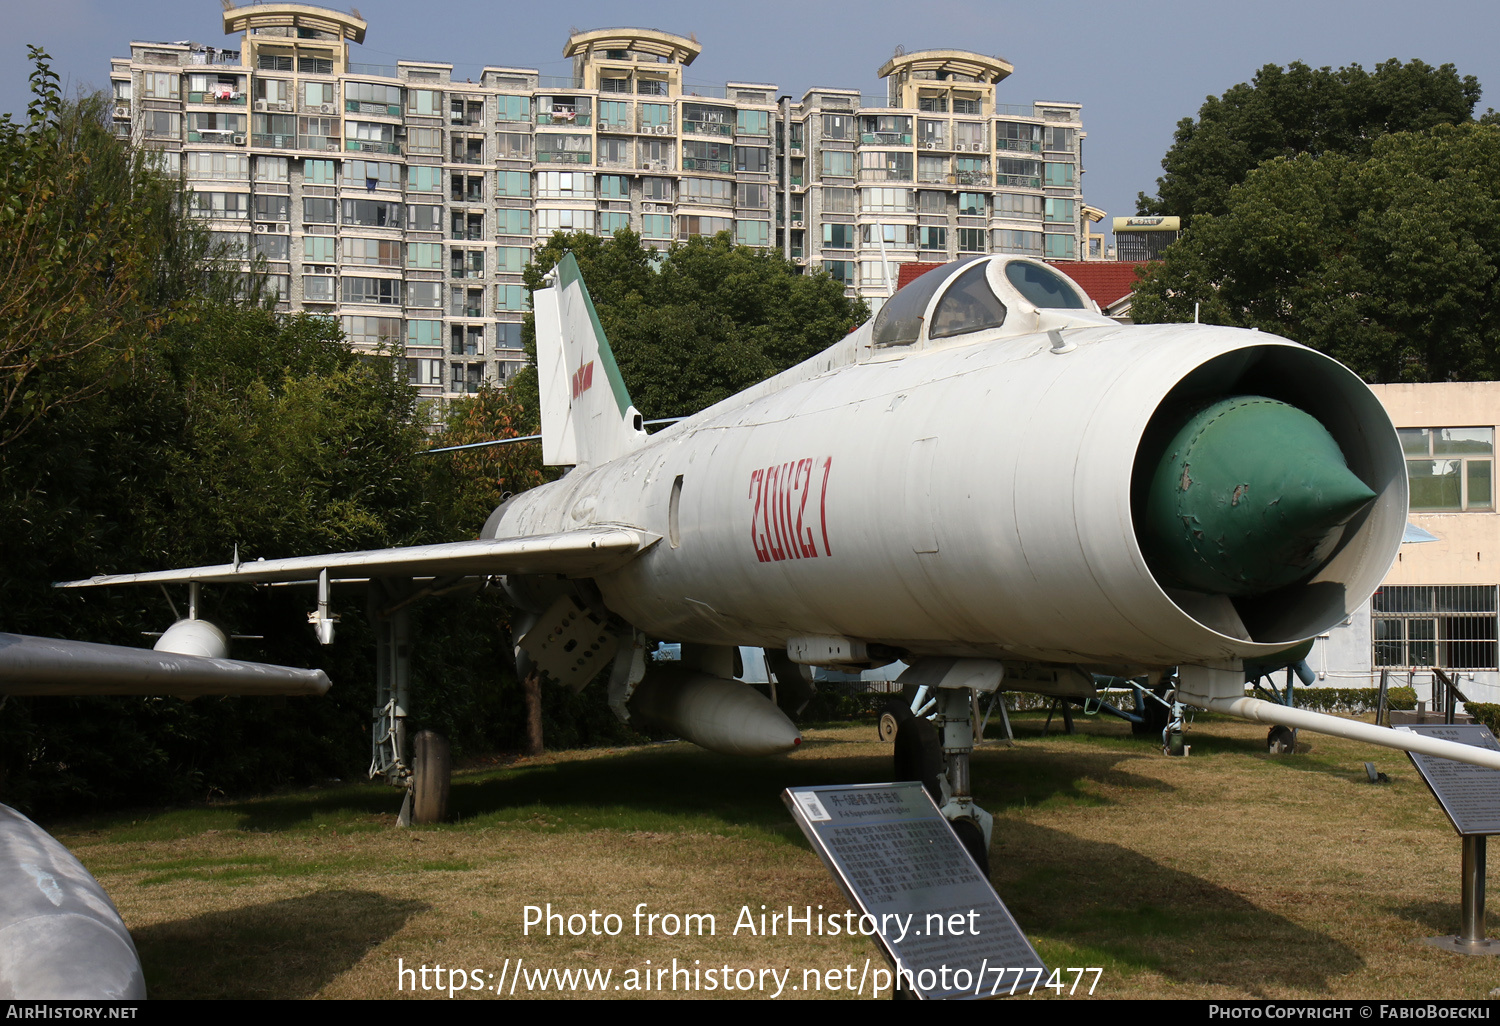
[990, 481]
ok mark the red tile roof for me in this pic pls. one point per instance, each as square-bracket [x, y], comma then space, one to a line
[1106, 281]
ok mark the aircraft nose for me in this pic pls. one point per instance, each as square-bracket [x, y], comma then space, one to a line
[1249, 495]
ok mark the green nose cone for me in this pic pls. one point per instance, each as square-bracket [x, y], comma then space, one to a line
[1250, 495]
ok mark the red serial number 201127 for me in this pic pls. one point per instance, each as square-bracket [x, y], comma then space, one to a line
[781, 524]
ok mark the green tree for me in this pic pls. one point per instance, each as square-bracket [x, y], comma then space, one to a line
[1296, 110]
[707, 321]
[1389, 264]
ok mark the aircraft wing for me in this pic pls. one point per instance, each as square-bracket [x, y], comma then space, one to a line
[573, 553]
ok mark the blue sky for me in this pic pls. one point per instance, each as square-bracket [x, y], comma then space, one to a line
[1137, 68]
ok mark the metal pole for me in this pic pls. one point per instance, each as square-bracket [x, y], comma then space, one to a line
[1473, 889]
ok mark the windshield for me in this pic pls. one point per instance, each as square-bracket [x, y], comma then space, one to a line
[900, 320]
[1043, 287]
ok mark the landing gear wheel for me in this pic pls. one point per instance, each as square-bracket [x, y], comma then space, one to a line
[919, 755]
[888, 726]
[971, 835]
[1281, 741]
[1175, 745]
[431, 772]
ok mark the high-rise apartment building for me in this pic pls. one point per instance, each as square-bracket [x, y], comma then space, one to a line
[406, 203]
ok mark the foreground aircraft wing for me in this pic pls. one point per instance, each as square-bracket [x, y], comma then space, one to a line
[47, 666]
[573, 553]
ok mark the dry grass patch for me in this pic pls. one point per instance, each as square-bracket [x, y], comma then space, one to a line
[1230, 873]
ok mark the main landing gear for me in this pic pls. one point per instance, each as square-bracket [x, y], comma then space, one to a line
[936, 752]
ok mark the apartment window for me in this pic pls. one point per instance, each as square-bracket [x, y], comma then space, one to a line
[508, 335]
[885, 166]
[932, 237]
[656, 154]
[753, 122]
[273, 208]
[1018, 136]
[384, 291]
[321, 133]
[218, 165]
[513, 259]
[1019, 205]
[273, 246]
[422, 217]
[930, 202]
[613, 85]
[651, 87]
[752, 233]
[373, 174]
[464, 302]
[653, 114]
[564, 185]
[319, 249]
[656, 190]
[656, 226]
[614, 114]
[881, 200]
[840, 270]
[838, 201]
[614, 152]
[425, 372]
[510, 297]
[838, 163]
[752, 195]
[513, 222]
[466, 263]
[514, 146]
[971, 240]
[713, 191]
[316, 94]
[424, 256]
[614, 187]
[319, 211]
[563, 149]
[565, 220]
[466, 377]
[421, 178]
[613, 221]
[317, 288]
[466, 339]
[271, 169]
[838, 126]
[372, 252]
[513, 183]
[969, 136]
[1059, 138]
[971, 203]
[1015, 171]
[273, 62]
[387, 96]
[513, 108]
[230, 205]
[1061, 247]
[467, 149]
[1060, 175]
[901, 236]
[838, 236]
[373, 331]
[1450, 626]
[1008, 240]
[689, 225]
[315, 65]
[885, 129]
[424, 140]
[161, 124]
[424, 102]
[1450, 469]
[215, 123]
[320, 172]
[425, 294]
[423, 333]
[707, 155]
[963, 105]
[160, 85]
[467, 224]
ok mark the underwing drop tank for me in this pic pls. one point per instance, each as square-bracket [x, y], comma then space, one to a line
[721, 715]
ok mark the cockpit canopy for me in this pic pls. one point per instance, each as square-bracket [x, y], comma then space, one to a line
[977, 294]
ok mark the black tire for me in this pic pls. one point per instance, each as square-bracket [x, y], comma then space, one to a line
[971, 836]
[431, 774]
[1281, 740]
[919, 755]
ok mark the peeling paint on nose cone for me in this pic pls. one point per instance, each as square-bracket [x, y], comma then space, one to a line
[60, 936]
[1250, 494]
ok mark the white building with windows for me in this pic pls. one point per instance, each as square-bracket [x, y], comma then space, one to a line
[1438, 605]
[406, 203]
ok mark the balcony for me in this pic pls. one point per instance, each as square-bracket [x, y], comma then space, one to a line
[551, 157]
[1018, 145]
[358, 145]
[722, 167]
[885, 138]
[885, 174]
[565, 116]
[378, 109]
[218, 98]
[707, 128]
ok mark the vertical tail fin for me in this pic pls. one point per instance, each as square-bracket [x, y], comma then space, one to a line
[587, 417]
